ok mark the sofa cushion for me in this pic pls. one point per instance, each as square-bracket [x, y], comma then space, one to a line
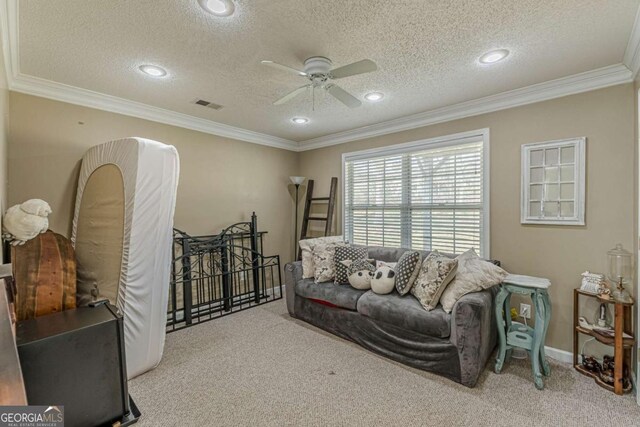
[405, 312]
[328, 292]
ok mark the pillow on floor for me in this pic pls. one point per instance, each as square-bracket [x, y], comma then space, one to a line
[407, 270]
[347, 253]
[436, 272]
[323, 260]
[306, 247]
[474, 274]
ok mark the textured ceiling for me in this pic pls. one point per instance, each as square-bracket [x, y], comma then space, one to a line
[426, 51]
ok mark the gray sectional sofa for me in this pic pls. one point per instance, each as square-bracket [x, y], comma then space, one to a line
[455, 345]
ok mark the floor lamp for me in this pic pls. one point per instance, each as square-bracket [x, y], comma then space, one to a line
[296, 180]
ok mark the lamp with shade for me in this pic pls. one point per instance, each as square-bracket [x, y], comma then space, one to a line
[297, 181]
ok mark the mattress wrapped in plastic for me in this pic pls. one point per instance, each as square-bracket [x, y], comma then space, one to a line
[122, 233]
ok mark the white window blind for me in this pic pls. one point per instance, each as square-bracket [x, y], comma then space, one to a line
[426, 196]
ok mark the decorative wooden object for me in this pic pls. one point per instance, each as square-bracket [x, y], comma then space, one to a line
[44, 270]
[621, 346]
[516, 335]
[328, 220]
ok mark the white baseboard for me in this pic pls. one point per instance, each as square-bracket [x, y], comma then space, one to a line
[559, 355]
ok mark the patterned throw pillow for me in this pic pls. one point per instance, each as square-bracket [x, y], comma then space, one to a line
[407, 270]
[306, 247]
[347, 253]
[360, 273]
[474, 274]
[323, 260]
[436, 273]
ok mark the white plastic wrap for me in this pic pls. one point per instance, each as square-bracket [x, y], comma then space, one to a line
[150, 173]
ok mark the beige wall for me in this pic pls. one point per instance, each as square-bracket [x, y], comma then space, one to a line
[221, 180]
[561, 253]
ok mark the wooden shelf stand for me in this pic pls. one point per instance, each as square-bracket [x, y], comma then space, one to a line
[622, 347]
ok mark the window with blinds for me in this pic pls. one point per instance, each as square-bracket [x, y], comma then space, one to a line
[428, 196]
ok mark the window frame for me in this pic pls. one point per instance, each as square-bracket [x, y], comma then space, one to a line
[479, 135]
[579, 182]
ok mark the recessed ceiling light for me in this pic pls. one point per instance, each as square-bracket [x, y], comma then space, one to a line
[494, 56]
[218, 7]
[374, 96]
[300, 120]
[153, 71]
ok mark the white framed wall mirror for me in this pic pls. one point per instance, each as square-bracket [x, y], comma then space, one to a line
[553, 182]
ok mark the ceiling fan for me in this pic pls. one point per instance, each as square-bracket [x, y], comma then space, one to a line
[318, 70]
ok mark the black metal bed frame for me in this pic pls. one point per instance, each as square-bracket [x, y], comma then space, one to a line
[213, 276]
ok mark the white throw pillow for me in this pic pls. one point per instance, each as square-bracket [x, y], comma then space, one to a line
[474, 274]
[384, 280]
[307, 245]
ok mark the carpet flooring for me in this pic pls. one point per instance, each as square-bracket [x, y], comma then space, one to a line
[262, 368]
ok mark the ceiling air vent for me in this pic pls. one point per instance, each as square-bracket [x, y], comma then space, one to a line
[208, 104]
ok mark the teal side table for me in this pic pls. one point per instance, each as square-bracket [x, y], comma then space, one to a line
[516, 334]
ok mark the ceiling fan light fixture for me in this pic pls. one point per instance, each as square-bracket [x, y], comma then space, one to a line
[494, 56]
[153, 70]
[317, 69]
[374, 96]
[300, 120]
[218, 7]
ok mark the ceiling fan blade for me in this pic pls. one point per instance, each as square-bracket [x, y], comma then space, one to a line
[343, 96]
[283, 67]
[288, 97]
[360, 67]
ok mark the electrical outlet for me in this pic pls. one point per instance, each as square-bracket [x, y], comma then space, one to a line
[525, 311]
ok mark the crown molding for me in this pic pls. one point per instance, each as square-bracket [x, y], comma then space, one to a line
[60, 92]
[582, 82]
[632, 52]
[18, 82]
[577, 83]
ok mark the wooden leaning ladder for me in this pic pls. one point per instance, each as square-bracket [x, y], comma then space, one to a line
[331, 204]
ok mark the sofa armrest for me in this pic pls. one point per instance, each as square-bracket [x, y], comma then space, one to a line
[292, 275]
[473, 332]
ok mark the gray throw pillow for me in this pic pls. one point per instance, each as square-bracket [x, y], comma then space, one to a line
[436, 273]
[347, 253]
[407, 270]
